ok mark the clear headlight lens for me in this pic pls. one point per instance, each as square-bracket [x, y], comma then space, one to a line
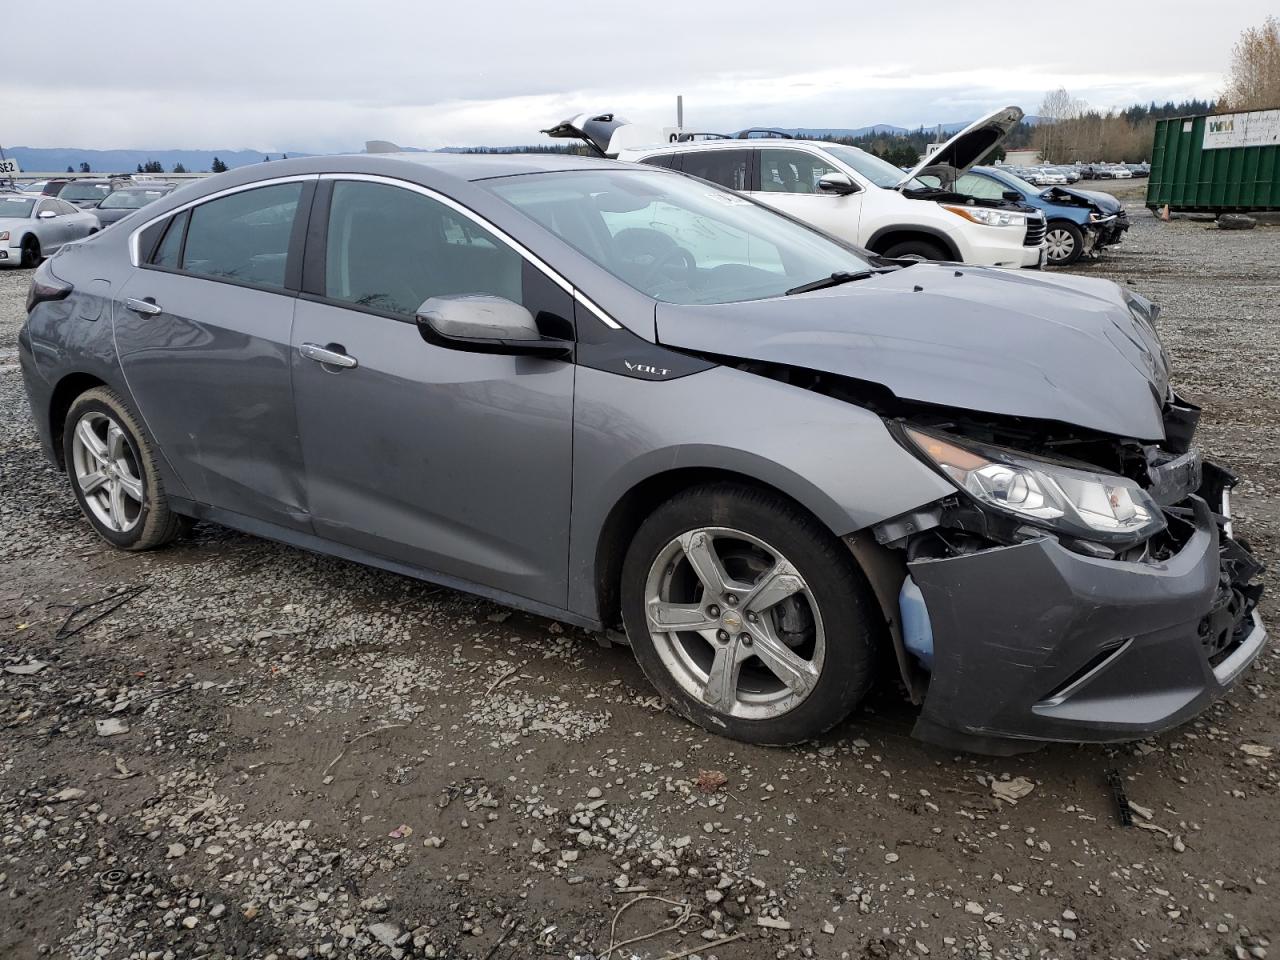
[1081, 503]
[987, 216]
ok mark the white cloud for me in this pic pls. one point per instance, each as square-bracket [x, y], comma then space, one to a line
[292, 75]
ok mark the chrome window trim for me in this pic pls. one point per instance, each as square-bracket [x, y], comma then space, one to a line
[135, 253]
[492, 228]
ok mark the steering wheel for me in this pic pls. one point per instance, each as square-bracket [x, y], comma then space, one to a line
[677, 256]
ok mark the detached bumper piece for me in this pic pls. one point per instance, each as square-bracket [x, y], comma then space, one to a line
[1035, 642]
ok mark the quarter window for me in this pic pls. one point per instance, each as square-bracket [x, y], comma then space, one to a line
[243, 237]
[390, 249]
[725, 167]
[791, 171]
[169, 253]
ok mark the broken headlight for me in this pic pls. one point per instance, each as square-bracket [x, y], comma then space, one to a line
[1078, 502]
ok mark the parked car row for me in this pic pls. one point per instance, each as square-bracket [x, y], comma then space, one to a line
[784, 465]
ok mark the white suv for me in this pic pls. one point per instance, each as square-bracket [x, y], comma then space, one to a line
[849, 193]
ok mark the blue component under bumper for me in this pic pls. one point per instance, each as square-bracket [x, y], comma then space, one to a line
[1034, 642]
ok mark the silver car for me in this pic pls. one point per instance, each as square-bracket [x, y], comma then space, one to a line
[33, 227]
[618, 396]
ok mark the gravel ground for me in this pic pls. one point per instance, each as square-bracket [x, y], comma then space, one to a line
[250, 751]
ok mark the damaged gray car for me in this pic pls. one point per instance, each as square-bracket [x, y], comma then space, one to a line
[620, 396]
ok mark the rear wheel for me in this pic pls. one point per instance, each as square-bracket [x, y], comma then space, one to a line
[1064, 243]
[916, 250]
[112, 469]
[748, 615]
[30, 252]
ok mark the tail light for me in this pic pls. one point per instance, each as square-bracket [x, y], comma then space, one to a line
[46, 287]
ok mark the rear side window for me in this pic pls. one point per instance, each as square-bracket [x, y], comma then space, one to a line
[725, 167]
[666, 160]
[243, 237]
[169, 253]
[390, 249]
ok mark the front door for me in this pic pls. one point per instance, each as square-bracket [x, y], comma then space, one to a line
[450, 461]
[788, 181]
[203, 336]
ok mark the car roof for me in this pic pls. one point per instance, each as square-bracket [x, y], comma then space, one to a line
[759, 143]
[482, 166]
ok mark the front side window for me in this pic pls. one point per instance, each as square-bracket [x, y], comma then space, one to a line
[792, 171]
[728, 168]
[243, 237]
[984, 188]
[389, 249]
[48, 205]
[675, 239]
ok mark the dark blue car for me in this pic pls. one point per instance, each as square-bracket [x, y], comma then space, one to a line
[1079, 222]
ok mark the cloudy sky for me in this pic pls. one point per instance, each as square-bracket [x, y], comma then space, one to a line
[318, 76]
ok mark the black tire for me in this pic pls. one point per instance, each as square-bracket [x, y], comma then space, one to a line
[30, 252]
[154, 523]
[1070, 234]
[917, 250]
[853, 627]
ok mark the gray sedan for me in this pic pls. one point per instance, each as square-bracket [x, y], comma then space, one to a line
[32, 228]
[618, 396]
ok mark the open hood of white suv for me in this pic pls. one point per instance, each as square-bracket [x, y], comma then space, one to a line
[972, 144]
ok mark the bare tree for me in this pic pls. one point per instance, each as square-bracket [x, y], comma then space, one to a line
[1054, 131]
[1253, 82]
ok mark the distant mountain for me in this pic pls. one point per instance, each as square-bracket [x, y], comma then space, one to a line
[57, 159]
[884, 129]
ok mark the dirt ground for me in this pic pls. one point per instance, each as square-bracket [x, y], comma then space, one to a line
[322, 760]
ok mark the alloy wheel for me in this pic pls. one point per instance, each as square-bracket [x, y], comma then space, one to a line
[734, 623]
[106, 471]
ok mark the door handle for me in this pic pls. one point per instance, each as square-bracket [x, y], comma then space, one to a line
[147, 307]
[332, 358]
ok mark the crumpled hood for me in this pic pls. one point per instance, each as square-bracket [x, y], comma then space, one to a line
[1103, 201]
[982, 339]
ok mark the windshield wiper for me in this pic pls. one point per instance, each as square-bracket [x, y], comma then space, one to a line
[833, 280]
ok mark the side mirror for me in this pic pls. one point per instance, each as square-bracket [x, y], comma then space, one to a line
[478, 323]
[836, 183]
[1012, 195]
[46, 215]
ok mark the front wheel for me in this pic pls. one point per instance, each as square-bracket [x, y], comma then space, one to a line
[30, 252]
[748, 615]
[916, 250]
[1064, 243]
[113, 474]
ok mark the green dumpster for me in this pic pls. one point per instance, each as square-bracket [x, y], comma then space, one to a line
[1220, 163]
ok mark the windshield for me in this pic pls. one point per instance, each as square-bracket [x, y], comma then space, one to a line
[674, 238]
[130, 199]
[17, 207]
[880, 172]
[84, 191]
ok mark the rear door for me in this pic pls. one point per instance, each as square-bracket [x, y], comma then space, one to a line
[451, 461]
[203, 333]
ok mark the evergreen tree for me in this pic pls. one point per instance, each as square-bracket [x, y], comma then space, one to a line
[85, 168]
[218, 166]
[179, 168]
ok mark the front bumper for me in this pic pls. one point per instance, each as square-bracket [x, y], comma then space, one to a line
[1035, 642]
